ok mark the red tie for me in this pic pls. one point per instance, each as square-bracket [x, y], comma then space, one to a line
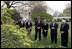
[38, 21]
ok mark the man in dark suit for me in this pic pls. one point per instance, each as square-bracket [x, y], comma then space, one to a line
[53, 28]
[28, 28]
[21, 23]
[38, 25]
[64, 33]
[35, 24]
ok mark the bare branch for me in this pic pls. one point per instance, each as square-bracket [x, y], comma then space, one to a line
[13, 7]
[12, 2]
[2, 5]
[17, 2]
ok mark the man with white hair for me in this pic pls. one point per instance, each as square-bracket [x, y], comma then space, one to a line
[64, 33]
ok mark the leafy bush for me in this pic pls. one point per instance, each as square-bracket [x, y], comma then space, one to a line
[43, 15]
[11, 37]
[5, 19]
[14, 14]
[9, 13]
[59, 20]
[70, 19]
[5, 16]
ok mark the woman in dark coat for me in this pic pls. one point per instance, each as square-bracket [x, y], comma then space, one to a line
[45, 30]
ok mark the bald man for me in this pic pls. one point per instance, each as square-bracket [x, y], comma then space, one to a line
[64, 33]
[53, 28]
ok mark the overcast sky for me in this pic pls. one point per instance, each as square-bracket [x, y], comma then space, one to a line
[57, 5]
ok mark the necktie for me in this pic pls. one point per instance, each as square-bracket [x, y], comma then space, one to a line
[62, 26]
[28, 23]
[38, 21]
[53, 24]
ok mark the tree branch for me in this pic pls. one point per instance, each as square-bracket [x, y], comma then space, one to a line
[2, 5]
[13, 7]
[12, 3]
[16, 3]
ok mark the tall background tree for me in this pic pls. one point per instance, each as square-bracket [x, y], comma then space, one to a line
[39, 8]
[67, 10]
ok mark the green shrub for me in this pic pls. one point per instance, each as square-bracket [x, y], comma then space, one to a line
[59, 20]
[11, 37]
[12, 13]
[43, 15]
[6, 19]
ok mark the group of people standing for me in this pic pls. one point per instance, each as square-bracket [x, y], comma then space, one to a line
[39, 26]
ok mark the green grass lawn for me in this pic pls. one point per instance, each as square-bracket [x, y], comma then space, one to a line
[48, 44]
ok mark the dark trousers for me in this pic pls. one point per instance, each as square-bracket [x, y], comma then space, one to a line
[64, 40]
[54, 37]
[36, 32]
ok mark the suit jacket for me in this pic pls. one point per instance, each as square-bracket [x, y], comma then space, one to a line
[20, 24]
[55, 26]
[45, 27]
[38, 25]
[65, 28]
[28, 26]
